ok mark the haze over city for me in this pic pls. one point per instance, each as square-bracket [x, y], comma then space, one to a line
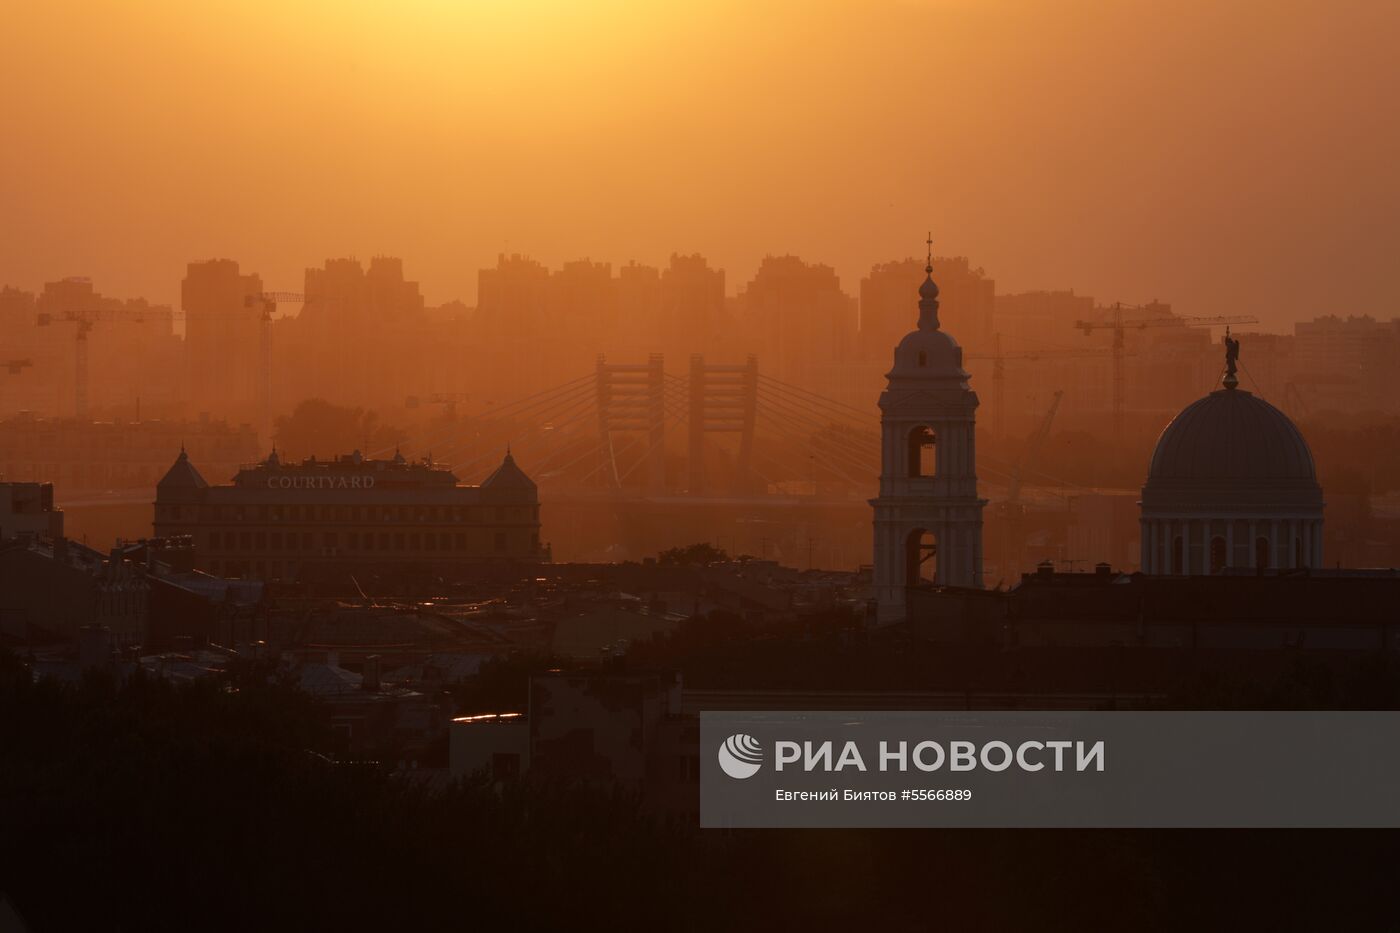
[1136, 150]
[515, 463]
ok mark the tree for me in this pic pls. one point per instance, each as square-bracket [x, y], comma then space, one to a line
[318, 427]
[692, 555]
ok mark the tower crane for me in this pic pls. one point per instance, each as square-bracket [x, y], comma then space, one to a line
[85, 319]
[1159, 315]
[999, 358]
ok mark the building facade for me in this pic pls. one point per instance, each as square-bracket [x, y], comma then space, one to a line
[287, 522]
[928, 518]
[26, 509]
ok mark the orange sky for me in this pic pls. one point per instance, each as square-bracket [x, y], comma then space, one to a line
[1226, 156]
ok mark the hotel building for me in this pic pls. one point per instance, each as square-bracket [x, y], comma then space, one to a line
[285, 521]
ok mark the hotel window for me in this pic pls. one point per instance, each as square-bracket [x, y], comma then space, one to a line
[398, 541]
[430, 541]
[331, 540]
[260, 540]
[445, 541]
[413, 543]
[369, 541]
[245, 540]
[213, 540]
[460, 541]
[383, 541]
[353, 541]
[277, 540]
[306, 541]
[500, 541]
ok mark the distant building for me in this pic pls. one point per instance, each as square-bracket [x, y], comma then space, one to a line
[98, 456]
[1040, 318]
[1346, 363]
[798, 317]
[223, 339]
[278, 521]
[27, 510]
[361, 338]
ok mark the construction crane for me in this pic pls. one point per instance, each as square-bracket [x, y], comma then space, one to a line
[85, 319]
[1163, 318]
[999, 359]
[269, 302]
[1013, 512]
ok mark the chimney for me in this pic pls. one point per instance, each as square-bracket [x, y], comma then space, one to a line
[1103, 569]
[370, 680]
[1045, 568]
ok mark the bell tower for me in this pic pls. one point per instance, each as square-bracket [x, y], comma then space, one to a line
[928, 519]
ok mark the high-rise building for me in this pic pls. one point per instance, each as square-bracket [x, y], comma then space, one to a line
[223, 317]
[694, 318]
[360, 339]
[797, 317]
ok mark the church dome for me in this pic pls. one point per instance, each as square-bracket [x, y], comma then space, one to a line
[1232, 438]
[928, 354]
[1231, 485]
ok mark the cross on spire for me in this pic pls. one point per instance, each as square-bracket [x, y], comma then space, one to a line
[928, 265]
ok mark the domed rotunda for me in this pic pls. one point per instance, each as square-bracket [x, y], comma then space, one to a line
[1232, 484]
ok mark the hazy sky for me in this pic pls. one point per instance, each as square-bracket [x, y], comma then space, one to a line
[1227, 156]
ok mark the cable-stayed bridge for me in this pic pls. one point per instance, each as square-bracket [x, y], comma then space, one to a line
[633, 430]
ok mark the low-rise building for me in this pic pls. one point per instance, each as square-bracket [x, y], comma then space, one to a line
[27, 509]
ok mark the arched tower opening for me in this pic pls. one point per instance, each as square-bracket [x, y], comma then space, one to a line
[920, 558]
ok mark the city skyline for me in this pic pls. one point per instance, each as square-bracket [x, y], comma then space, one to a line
[1216, 157]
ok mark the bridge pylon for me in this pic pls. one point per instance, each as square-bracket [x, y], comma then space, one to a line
[631, 398]
[723, 399]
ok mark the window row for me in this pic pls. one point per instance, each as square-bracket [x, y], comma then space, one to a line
[352, 541]
[351, 513]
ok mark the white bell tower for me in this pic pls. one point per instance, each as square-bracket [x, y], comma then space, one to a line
[928, 519]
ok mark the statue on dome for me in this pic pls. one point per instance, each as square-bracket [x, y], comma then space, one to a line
[1232, 356]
